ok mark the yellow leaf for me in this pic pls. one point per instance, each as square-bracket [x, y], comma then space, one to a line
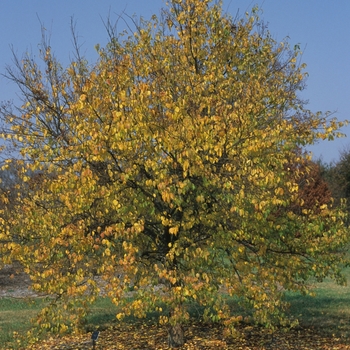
[174, 230]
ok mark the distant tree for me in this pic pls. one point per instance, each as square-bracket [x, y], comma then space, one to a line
[337, 176]
[313, 189]
[167, 160]
[10, 196]
[9, 181]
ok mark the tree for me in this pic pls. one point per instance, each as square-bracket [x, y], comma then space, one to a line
[313, 189]
[337, 176]
[164, 166]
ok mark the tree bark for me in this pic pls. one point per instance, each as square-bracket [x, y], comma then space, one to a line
[176, 336]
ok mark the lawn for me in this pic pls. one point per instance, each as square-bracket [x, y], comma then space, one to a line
[324, 324]
[328, 311]
[15, 315]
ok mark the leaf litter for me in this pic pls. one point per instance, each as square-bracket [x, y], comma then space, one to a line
[145, 336]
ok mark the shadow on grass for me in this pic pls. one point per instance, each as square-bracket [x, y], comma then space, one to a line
[315, 312]
[328, 314]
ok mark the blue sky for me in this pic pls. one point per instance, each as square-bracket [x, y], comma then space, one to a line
[321, 27]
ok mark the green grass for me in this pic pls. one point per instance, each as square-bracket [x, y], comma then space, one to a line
[102, 314]
[328, 312]
[15, 316]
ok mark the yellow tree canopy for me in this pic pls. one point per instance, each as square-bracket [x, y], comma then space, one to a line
[166, 165]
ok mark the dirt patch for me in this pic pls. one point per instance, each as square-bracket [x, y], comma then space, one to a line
[15, 283]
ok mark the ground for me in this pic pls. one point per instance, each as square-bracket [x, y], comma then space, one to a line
[14, 283]
[198, 337]
[144, 336]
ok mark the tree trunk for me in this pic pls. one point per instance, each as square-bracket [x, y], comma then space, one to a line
[176, 336]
